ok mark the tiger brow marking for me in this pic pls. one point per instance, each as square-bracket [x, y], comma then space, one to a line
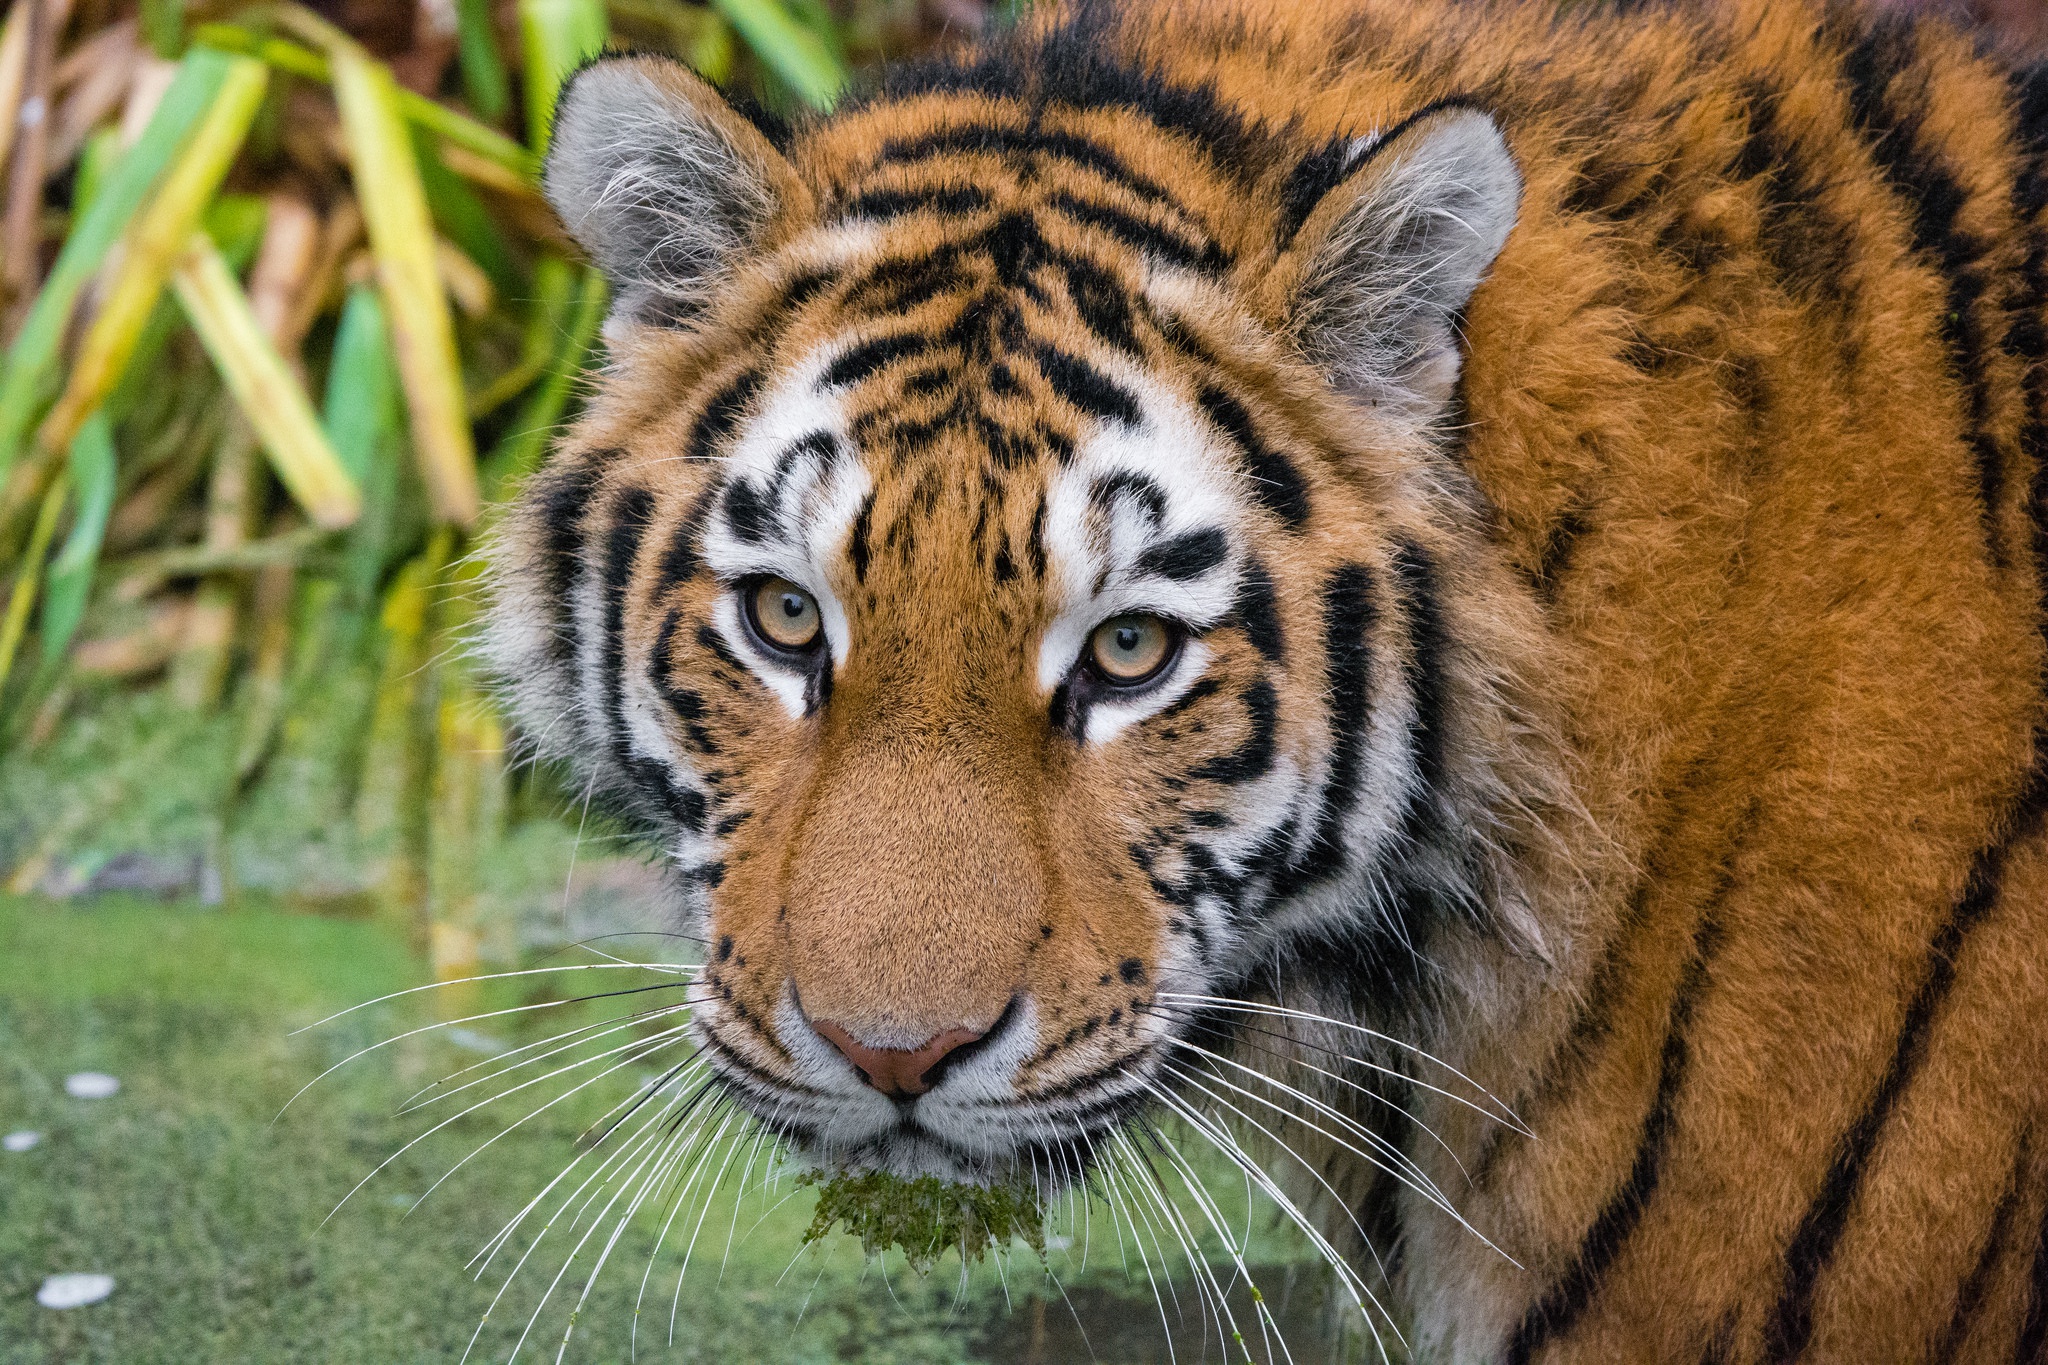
[1559, 1310]
[722, 413]
[1086, 387]
[865, 359]
[1277, 485]
[1893, 120]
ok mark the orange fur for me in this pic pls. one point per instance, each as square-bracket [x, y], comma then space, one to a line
[1739, 538]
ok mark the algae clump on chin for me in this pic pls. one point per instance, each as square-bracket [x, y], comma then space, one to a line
[925, 1217]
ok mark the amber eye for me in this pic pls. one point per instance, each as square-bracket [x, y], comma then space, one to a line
[1131, 649]
[783, 615]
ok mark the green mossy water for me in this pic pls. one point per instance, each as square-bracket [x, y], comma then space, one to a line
[926, 1217]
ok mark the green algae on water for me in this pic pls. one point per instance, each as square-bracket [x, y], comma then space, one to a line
[925, 1217]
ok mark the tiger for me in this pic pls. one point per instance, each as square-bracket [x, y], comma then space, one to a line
[1485, 558]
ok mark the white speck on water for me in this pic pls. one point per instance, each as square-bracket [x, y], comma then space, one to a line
[21, 1140]
[401, 1201]
[471, 1040]
[74, 1291]
[1055, 1242]
[90, 1085]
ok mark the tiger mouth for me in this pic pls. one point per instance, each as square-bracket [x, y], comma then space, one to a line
[1048, 1136]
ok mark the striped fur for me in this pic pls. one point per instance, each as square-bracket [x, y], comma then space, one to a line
[1625, 682]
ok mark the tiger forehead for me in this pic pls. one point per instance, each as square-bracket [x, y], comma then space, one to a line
[1112, 170]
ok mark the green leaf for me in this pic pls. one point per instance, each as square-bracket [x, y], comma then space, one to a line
[71, 572]
[789, 49]
[236, 222]
[364, 423]
[483, 69]
[560, 35]
[31, 376]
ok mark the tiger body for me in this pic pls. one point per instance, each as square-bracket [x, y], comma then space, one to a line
[1619, 674]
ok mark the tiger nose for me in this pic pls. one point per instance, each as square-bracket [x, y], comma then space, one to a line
[897, 1072]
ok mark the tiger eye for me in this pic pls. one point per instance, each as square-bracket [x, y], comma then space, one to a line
[1130, 649]
[785, 615]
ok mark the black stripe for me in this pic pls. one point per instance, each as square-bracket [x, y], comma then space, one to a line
[563, 499]
[1254, 757]
[973, 138]
[1086, 387]
[722, 414]
[2032, 1346]
[1915, 167]
[687, 704]
[632, 508]
[861, 361]
[1138, 487]
[1102, 303]
[1276, 484]
[1811, 249]
[680, 562]
[1149, 238]
[1429, 640]
[1257, 612]
[1558, 1311]
[1350, 616]
[857, 550]
[750, 514]
[1314, 176]
[1970, 1293]
[901, 283]
[1186, 556]
[1820, 1229]
[942, 199]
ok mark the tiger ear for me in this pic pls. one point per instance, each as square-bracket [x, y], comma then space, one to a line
[1390, 255]
[664, 184]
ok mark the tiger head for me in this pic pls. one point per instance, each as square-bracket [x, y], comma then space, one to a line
[1010, 565]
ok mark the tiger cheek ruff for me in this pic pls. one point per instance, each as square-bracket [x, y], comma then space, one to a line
[1489, 564]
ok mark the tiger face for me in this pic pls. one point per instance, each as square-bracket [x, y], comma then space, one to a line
[1026, 606]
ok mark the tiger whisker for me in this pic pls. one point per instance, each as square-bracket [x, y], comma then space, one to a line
[505, 1234]
[1211, 1293]
[1505, 1115]
[1426, 1187]
[436, 1091]
[1354, 1287]
[679, 969]
[1269, 1327]
[479, 1105]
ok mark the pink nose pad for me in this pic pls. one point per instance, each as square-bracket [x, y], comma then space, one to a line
[896, 1072]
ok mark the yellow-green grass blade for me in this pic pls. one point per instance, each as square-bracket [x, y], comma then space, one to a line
[436, 118]
[28, 578]
[71, 572]
[401, 233]
[264, 387]
[789, 49]
[31, 376]
[462, 215]
[560, 35]
[151, 247]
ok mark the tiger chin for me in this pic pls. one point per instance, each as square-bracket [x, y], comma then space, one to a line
[1483, 563]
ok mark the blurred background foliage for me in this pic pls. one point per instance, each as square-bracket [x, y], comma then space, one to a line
[286, 320]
